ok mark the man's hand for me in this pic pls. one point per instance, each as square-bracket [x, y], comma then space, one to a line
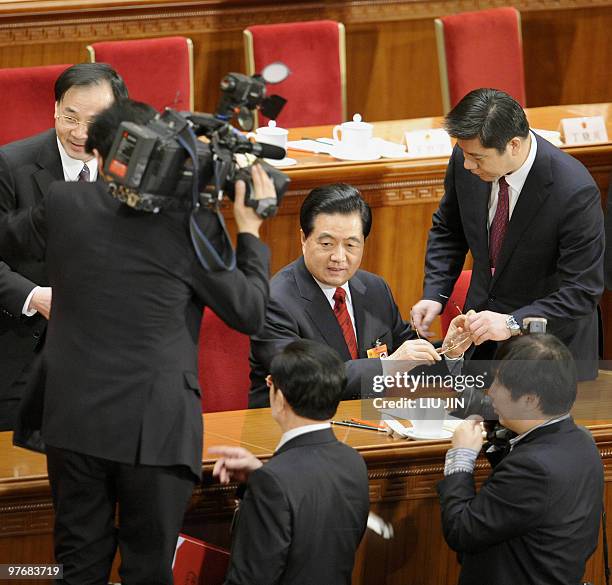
[41, 301]
[423, 313]
[416, 349]
[235, 464]
[458, 339]
[468, 435]
[247, 220]
[487, 325]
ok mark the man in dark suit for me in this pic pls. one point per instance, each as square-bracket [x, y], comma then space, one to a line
[304, 512]
[122, 411]
[27, 169]
[531, 217]
[608, 223]
[325, 297]
[536, 517]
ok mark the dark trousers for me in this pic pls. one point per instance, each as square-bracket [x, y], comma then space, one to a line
[150, 501]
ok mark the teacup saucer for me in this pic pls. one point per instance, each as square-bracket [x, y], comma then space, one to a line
[443, 434]
[285, 162]
[363, 155]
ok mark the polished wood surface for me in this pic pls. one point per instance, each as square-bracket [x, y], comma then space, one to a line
[392, 67]
[402, 476]
[403, 194]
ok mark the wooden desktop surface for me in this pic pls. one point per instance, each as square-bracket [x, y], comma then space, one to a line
[402, 475]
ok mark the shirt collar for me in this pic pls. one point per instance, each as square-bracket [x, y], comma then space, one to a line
[517, 179]
[329, 291]
[72, 166]
[552, 421]
[293, 433]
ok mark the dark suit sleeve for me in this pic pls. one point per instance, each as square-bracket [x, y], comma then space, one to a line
[25, 230]
[501, 510]
[14, 288]
[446, 243]
[263, 533]
[238, 296]
[608, 223]
[580, 261]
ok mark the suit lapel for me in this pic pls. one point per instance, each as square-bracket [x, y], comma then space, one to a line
[50, 165]
[359, 300]
[319, 310]
[534, 193]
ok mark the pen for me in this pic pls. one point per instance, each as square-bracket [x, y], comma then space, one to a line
[326, 141]
[355, 425]
[366, 423]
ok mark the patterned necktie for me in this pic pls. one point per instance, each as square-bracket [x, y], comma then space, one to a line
[499, 225]
[84, 174]
[344, 320]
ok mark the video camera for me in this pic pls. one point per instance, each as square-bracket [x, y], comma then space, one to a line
[157, 166]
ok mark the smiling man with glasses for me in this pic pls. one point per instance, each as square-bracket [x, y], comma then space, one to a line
[27, 169]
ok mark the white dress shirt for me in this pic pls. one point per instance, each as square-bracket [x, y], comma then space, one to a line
[515, 181]
[293, 433]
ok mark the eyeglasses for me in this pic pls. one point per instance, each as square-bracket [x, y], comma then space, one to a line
[72, 123]
[458, 341]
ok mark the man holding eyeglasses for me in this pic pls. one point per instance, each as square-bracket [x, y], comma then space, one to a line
[27, 169]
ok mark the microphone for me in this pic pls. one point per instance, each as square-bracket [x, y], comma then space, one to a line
[264, 150]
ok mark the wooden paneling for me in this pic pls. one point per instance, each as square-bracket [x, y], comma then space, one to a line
[391, 55]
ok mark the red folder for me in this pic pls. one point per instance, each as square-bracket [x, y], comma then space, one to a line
[198, 563]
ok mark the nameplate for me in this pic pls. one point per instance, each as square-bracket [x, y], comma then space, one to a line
[428, 143]
[583, 130]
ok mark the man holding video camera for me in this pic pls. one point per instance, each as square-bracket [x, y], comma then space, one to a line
[122, 414]
[536, 517]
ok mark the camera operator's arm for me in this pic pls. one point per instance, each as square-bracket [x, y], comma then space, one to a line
[239, 296]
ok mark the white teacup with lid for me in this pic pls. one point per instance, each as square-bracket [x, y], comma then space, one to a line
[271, 134]
[354, 137]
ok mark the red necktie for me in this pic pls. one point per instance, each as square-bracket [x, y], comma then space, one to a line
[499, 225]
[344, 320]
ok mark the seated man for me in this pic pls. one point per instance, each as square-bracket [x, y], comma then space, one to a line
[314, 485]
[536, 518]
[325, 297]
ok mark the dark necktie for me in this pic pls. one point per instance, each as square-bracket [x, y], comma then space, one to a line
[499, 225]
[344, 320]
[84, 174]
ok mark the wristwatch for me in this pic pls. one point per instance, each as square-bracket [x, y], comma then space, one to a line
[514, 327]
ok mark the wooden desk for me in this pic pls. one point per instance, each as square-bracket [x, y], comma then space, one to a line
[403, 194]
[402, 477]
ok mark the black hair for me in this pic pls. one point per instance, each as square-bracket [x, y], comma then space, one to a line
[311, 377]
[86, 74]
[542, 365]
[335, 198]
[103, 129]
[489, 115]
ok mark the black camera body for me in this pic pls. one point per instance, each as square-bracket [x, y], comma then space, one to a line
[159, 165]
[150, 167]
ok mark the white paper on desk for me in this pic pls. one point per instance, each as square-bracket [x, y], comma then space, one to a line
[312, 145]
[552, 136]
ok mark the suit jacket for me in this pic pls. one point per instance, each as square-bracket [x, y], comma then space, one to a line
[27, 169]
[298, 309]
[608, 223]
[551, 260]
[302, 516]
[121, 347]
[536, 518]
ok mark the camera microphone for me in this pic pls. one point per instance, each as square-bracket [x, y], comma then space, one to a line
[264, 150]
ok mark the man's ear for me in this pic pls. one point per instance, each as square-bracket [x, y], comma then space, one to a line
[302, 237]
[100, 161]
[515, 145]
[55, 110]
